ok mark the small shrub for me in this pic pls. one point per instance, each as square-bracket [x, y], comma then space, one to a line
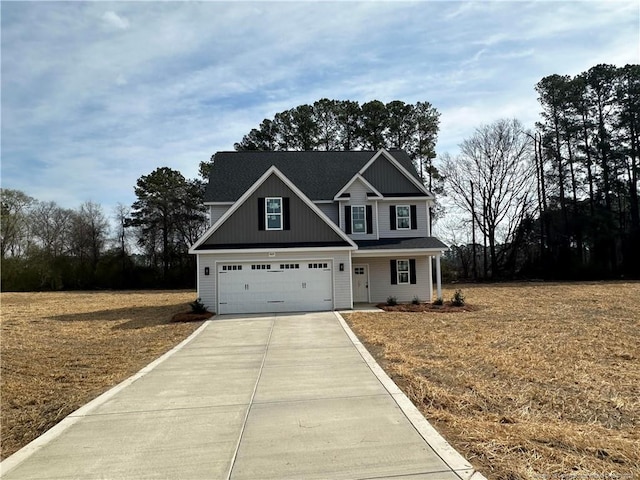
[458, 298]
[391, 301]
[198, 306]
[438, 301]
[415, 301]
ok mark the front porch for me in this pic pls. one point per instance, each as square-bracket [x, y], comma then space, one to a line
[403, 275]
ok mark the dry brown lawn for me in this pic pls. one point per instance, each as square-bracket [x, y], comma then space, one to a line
[541, 382]
[60, 350]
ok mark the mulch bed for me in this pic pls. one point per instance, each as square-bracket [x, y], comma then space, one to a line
[447, 307]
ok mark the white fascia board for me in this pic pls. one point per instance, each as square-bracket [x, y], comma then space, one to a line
[397, 199]
[274, 250]
[398, 252]
[218, 203]
[250, 191]
[396, 164]
[357, 176]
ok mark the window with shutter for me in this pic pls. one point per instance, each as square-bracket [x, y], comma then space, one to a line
[273, 212]
[358, 219]
[403, 272]
[403, 217]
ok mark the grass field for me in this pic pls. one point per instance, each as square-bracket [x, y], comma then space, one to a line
[541, 382]
[60, 350]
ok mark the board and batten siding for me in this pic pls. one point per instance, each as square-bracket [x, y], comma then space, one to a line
[384, 219]
[342, 297]
[380, 287]
[388, 179]
[242, 226]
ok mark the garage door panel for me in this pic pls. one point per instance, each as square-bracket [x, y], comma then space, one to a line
[283, 287]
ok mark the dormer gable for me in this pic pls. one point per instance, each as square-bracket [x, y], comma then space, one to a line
[360, 183]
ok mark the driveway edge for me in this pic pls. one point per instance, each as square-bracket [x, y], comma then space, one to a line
[440, 446]
[30, 448]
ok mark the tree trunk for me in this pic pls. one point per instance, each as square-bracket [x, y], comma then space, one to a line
[574, 190]
[473, 234]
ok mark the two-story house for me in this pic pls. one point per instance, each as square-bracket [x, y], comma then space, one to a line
[305, 231]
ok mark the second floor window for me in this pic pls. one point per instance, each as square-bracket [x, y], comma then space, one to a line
[358, 220]
[273, 212]
[403, 217]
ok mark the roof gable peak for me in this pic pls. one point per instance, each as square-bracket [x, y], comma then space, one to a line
[357, 178]
[272, 170]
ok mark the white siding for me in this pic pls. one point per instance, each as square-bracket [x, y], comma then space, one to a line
[358, 193]
[384, 220]
[341, 280]
[216, 211]
[330, 210]
[380, 287]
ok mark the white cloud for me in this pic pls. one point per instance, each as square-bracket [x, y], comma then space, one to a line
[193, 78]
[112, 19]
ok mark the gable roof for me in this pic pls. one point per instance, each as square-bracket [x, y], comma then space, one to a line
[273, 170]
[320, 175]
[358, 178]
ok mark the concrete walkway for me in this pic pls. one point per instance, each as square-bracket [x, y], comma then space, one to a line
[253, 397]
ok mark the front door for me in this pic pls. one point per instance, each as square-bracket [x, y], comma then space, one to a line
[360, 283]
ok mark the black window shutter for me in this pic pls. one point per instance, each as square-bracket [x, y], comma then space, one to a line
[369, 219]
[414, 218]
[392, 217]
[286, 224]
[347, 219]
[260, 213]
[394, 272]
[412, 271]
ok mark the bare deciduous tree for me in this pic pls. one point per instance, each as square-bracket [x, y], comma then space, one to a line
[14, 222]
[498, 160]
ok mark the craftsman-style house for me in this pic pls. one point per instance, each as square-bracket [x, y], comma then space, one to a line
[305, 231]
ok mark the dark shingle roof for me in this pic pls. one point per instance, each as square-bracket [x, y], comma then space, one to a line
[320, 175]
[401, 243]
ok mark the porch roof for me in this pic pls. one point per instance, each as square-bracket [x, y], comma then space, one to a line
[416, 243]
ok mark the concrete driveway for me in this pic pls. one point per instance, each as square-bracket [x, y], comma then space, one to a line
[252, 397]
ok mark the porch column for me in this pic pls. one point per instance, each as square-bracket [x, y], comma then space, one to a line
[438, 278]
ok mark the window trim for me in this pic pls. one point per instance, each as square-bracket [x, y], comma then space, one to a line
[407, 271]
[408, 217]
[280, 214]
[364, 223]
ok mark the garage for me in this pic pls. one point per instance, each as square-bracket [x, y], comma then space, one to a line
[269, 287]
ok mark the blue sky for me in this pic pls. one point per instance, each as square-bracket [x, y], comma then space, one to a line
[96, 94]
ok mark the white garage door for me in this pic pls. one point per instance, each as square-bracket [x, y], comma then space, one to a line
[258, 287]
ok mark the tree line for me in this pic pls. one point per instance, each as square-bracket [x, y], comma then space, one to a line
[557, 201]
[347, 125]
[560, 201]
[47, 247]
